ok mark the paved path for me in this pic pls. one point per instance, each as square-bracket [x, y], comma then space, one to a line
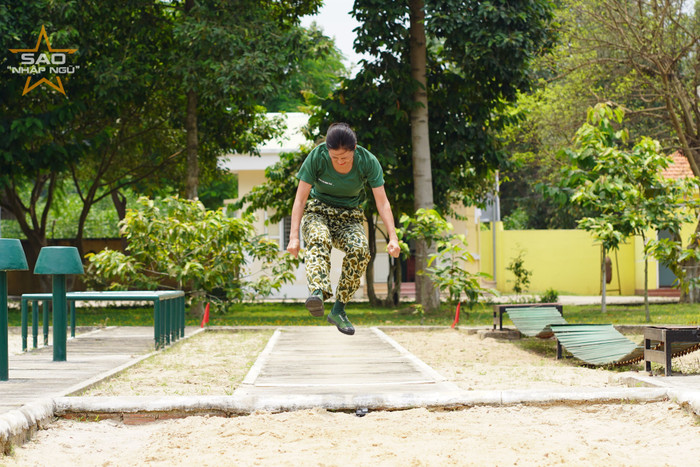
[34, 375]
[318, 366]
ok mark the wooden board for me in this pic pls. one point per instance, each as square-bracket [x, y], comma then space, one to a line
[34, 375]
[320, 360]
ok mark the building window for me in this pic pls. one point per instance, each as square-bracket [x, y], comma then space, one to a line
[281, 233]
[285, 229]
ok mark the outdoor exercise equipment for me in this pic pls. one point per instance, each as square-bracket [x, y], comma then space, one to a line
[168, 311]
[12, 258]
[59, 261]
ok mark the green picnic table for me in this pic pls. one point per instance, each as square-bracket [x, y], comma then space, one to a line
[168, 312]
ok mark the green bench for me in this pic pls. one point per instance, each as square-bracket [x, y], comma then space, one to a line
[500, 308]
[168, 312]
[597, 344]
[531, 319]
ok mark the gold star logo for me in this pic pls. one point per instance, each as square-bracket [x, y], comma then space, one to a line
[58, 86]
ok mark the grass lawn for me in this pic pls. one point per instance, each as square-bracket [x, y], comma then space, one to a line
[362, 314]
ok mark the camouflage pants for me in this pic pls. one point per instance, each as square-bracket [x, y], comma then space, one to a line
[324, 226]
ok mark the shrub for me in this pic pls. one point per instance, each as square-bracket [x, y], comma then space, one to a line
[186, 246]
[549, 296]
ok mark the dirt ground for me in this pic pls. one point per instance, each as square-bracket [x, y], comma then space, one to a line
[214, 363]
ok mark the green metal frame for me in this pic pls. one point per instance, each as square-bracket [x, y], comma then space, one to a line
[168, 312]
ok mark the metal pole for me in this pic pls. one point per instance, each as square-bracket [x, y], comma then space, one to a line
[23, 307]
[174, 320]
[496, 218]
[35, 325]
[72, 318]
[4, 359]
[156, 323]
[59, 318]
[493, 246]
[45, 320]
[166, 311]
[181, 307]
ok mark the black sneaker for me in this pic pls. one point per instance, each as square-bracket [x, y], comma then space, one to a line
[341, 321]
[315, 303]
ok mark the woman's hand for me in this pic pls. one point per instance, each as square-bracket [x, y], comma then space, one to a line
[393, 248]
[293, 247]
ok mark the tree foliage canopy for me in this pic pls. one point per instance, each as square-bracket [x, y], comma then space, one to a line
[622, 188]
[640, 56]
[122, 121]
[479, 56]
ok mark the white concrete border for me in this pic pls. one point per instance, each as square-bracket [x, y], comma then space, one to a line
[420, 364]
[241, 403]
[254, 371]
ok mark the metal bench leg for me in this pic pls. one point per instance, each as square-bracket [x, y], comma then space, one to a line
[668, 351]
[172, 330]
[45, 321]
[72, 318]
[559, 350]
[647, 363]
[166, 312]
[181, 307]
[23, 307]
[156, 323]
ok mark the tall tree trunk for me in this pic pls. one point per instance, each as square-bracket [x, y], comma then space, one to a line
[88, 201]
[35, 228]
[192, 179]
[426, 293]
[603, 280]
[119, 201]
[393, 296]
[646, 280]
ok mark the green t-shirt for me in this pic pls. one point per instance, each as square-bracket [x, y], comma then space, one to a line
[340, 190]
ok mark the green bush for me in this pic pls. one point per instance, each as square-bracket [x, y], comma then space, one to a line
[549, 296]
[446, 267]
[184, 245]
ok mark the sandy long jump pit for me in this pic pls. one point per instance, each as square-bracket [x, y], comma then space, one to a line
[614, 433]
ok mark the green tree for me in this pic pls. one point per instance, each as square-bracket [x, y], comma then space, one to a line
[36, 143]
[478, 56]
[108, 132]
[183, 244]
[316, 74]
[659, 41]
[229, 56]
[122, 123]
[446, 266]
[522, 275]
[597, 184]
[585, 67]
[624, 187]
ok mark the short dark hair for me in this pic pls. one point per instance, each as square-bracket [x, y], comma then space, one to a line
[340, 135]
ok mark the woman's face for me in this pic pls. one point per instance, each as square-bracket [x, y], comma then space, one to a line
[341, 157]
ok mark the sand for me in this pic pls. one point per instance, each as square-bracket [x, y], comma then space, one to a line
[209, 364]
[633, 434]
[610, 434]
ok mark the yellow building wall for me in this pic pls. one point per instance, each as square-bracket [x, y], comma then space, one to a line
[465, 223]
[567, 261]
